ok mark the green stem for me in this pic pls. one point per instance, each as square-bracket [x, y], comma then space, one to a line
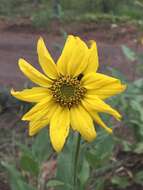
[76, 161]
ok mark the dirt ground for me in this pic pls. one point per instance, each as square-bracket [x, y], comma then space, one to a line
[19, 40]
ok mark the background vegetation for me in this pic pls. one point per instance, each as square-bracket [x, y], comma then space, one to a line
[40, 12]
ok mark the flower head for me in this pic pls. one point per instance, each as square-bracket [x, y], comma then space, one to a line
[70, 94]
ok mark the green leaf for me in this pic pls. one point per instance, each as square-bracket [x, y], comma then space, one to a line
[92, 158]
[136, 105]
[21, 185]
[138, 178]
[11, 170]
[138, 83]
[131, 55]
[84, 174]
[54, 183]
[116, 73]
[29, 164]
[16, 180]
[102, 151]
[139, 148]
[41, 147]
[25, 149]
[65, 162]
[122, 182]
[100, 183]
[127, 146]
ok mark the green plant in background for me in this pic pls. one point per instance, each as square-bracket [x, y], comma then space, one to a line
[30, 164]
[134, 94]
[32, 160]
[46, 13]
[133, 56]
[42, 12]
[131, 103]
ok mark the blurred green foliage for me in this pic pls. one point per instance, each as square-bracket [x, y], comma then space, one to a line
[40, 12]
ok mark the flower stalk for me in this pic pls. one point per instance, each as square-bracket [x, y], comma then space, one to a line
[76, 162]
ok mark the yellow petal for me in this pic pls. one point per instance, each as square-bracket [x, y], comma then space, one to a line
[33, 74]
[82, 122]
[73, 59]
[59, 128]
[93, 59]
[79, 58]
[41, 120]
[99, 121]
[102, 85]
[63, 60]
[91, 102]
[38, 110]
[45, 60]
[34, 94]
[106, 92]
[36, 126]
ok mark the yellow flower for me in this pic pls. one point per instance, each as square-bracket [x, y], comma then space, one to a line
[71, 92]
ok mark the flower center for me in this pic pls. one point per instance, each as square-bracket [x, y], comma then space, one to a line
[67, 91]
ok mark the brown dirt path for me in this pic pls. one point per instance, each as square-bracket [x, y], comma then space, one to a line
[16, 42]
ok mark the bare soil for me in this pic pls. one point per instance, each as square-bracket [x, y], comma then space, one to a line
[20, 41]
